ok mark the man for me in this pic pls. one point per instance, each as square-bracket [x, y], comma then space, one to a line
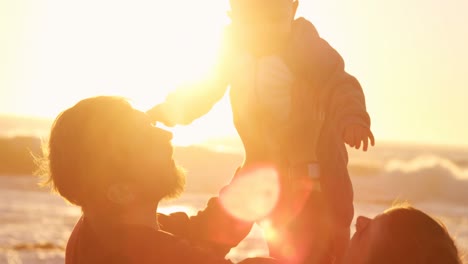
[107, 158]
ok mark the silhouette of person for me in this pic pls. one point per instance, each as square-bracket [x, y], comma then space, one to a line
[106, 157]
[403, 235]
[294, 107]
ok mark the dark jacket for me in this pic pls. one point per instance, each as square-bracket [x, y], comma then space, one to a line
[132, 244]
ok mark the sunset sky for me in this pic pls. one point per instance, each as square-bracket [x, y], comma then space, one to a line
[410, 56]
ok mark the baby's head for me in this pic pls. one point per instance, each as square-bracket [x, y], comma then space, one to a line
[263, 21]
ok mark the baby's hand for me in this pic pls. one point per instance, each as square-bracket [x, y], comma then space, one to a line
[155, 114]
[354, 135]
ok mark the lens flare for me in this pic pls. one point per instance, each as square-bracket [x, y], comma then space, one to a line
[280, 241]
[252, 194]
[269, 232]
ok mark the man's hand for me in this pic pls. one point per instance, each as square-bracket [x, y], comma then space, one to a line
[355, 135]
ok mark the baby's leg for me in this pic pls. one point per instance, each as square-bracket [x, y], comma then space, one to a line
[302, 228]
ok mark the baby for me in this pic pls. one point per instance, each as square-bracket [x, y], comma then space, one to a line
[295, 108]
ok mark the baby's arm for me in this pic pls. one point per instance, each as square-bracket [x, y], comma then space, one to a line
[194, 100]
[349, 107]
[190, 102]
[342, 94]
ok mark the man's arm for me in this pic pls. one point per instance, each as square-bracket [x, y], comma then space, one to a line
[199, 253]
[213, 228]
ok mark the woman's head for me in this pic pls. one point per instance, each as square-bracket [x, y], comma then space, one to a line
[102, 148]
[402, 235]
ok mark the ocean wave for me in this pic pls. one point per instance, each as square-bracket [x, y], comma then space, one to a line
[428, 165]
[34, 246]
[424, 178]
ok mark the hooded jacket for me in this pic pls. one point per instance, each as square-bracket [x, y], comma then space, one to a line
[323, 92]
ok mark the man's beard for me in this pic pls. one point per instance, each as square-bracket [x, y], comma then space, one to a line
[164, 183]
[175, 182]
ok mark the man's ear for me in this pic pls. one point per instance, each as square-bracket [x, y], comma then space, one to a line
[120, 194]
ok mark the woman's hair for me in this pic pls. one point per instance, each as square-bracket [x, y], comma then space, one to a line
[80, 159]
[410, 236]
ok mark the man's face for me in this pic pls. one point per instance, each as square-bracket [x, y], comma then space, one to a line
[148, 156]
[263, 21]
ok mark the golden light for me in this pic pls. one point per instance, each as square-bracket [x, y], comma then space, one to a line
[169, 209]
[59, 52]
[252, 194]
[279, 240]
[269, 232]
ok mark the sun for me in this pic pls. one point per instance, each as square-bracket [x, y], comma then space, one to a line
[139, 50]
[186, 38]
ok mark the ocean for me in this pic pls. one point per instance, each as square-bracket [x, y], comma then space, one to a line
[35, 225]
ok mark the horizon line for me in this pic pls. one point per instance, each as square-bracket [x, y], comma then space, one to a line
[385, 141]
